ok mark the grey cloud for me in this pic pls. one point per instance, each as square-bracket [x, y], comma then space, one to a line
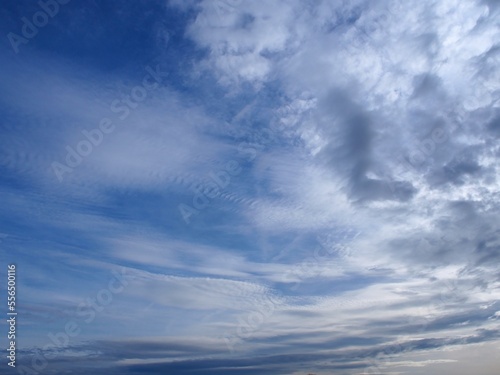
[458, 227]
[494, 125]
[454, 172]
[350, 150]
[371, 189]
[98, 361]
[493, 5]
[426, 84]
[488, 250]
[487, 63]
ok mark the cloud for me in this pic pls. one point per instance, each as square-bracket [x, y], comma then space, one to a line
[360, 228]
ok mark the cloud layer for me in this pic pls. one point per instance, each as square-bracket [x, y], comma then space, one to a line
[309, 187]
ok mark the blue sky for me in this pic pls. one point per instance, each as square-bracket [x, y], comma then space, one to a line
[243, 187]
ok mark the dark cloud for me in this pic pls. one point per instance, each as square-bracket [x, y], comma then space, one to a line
[493, 5]
[427, 84]
[454, 172]
[99, 362]
[488, 250]
[494, 125]
[350, 150]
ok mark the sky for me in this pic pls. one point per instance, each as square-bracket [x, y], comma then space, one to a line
[251, 187]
